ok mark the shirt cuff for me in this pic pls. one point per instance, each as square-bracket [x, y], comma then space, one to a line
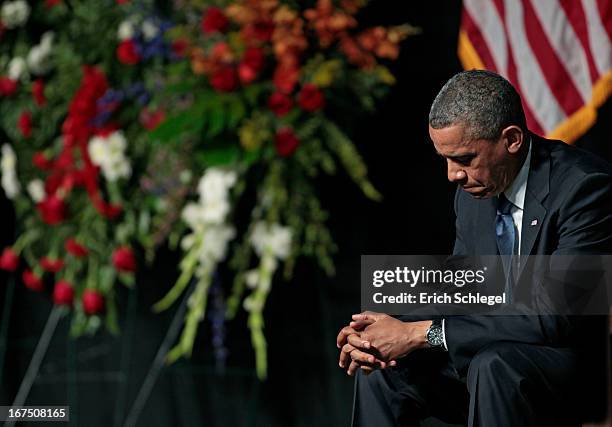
[444, 335]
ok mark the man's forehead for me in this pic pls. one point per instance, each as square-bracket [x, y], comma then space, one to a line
[452, 140]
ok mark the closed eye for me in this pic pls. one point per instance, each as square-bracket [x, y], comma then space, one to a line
[463, 160]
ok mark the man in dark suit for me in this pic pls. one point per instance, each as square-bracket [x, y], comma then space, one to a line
[518, 194]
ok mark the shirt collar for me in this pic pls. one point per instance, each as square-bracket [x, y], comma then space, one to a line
[516, 192]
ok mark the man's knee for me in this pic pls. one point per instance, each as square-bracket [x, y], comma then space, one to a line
[495, 363]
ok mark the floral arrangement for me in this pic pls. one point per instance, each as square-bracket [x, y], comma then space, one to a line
[203, 128]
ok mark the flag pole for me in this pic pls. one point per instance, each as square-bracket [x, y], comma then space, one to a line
[158, 362]
[37, 358]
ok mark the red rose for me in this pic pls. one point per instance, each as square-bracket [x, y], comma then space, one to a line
[311, 98]
[179, 47]
[214, 20]
[32, 281]
[251, 64]
[151, 119]
[8, 87]
[63, 293]
[286, 77]
[107, 210]
[38, 92]
[246, 73]
[9, 261]
[25, 124]
[124, 260]
[75, 249]
[52, 3]
[51, 265]
[53, 210]
[260, 30]
[280, 104]
[93, 301]
[112, 211]
[41, 162]
[224, 79]
[127, 52]
[286, 142]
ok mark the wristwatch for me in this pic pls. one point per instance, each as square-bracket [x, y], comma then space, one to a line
[434, 335]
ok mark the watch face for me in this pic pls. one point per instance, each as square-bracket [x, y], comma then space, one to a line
[434, 336]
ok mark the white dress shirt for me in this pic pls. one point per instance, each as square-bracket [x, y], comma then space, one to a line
[515, 194]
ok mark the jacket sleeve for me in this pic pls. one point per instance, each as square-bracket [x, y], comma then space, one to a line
[584, 226]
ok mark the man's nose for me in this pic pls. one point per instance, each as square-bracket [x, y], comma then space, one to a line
[454, 172]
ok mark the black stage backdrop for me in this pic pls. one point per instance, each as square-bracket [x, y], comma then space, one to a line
[100, 376]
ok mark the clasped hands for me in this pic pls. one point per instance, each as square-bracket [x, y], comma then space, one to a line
[376, 340]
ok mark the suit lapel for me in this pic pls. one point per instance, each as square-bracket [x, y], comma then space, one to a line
[537, 190]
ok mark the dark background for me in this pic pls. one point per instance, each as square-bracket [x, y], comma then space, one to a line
[99, 376]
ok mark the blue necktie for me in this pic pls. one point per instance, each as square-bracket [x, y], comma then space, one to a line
[507, 241]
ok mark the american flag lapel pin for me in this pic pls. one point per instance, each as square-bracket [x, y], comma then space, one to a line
[534, 222]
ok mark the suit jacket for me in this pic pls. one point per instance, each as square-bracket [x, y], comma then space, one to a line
[569, 195]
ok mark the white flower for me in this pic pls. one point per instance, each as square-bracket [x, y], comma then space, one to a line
[46, 41]
[192, 214]
[115, 170]
[39, 57]
[215, 211]
[215, 184]
[251, 278]
[126, 30]
[250, 304]
[116, 142]
[8, 167]
[149, 30]
[274, 238]
[17, 68]
[188, 241]
[269, 263]
[109, 154]
[15, 13]
[214, 245]
[36, 189]
[9, 159]
[97, 150]
[185, 176]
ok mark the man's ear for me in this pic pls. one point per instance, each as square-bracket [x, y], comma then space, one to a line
[513, 138]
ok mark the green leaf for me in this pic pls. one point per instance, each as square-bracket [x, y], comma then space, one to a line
[237, 111]
[219, 156]
[216, 119]
[111, 316]
[186, 122]
[350, 159]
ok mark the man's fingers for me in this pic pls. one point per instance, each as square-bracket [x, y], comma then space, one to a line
[367, 370]
[360, 324]
[344, 332]
[368, 315]
[345, 356]
[356, 341]
[363, 357]
[365, 367]
[352, 368]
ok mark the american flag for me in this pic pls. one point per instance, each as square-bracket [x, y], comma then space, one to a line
[557, 53]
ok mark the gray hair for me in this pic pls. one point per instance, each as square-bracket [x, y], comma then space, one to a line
[484, 101]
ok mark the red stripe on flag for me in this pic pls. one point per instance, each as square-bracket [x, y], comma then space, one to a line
[553, 69]
[577, 18]
[475, 36]
[532, 122]
[499, 5]
[605, 11]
